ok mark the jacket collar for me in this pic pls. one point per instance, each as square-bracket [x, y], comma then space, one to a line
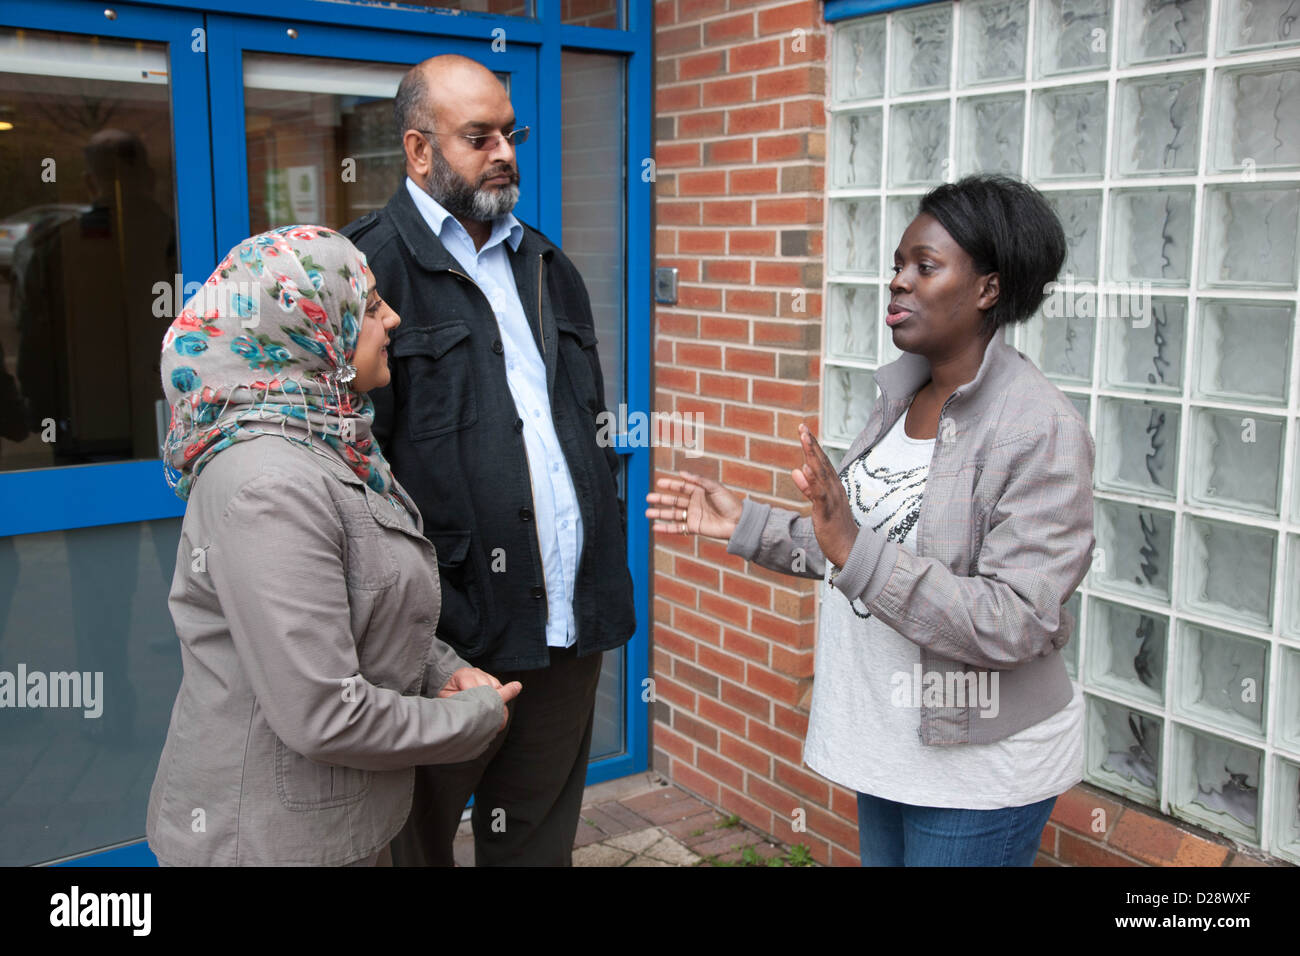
[505, 228]
[427, 249]
[899, 380]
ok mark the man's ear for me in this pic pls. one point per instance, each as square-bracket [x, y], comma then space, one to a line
[419, 155]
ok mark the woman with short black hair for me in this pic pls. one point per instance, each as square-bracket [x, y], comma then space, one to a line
[954, 531]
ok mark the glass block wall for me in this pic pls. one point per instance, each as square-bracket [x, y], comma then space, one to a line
[1166, 134]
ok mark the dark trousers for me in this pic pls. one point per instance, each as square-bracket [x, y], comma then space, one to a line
[527, 786]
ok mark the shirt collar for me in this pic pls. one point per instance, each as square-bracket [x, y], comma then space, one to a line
[504, 228]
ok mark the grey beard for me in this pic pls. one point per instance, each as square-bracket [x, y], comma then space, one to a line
[456, 195]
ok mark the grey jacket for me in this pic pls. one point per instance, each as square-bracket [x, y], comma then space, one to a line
[1004, 537]
[306, 605]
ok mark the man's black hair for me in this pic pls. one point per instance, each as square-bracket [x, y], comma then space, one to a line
[408, 104]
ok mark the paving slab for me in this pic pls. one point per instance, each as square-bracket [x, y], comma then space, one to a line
[630, 819]
[672, 852]
[637, 841]
[600, 854]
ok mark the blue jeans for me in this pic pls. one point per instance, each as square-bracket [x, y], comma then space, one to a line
[899, 834]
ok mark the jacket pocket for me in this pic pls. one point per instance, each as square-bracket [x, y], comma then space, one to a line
[368, 557]
[439, 380]
[460, 620]
[304, 784]
[578, 352]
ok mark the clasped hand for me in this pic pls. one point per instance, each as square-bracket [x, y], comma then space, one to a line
[468, 677]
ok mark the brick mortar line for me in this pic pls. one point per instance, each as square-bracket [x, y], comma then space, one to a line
[789, 506]
[703, 587]
[747, 376]
[737, 287]
[720, 649]
[775, 469]
[725, 257]
[761, 71]
[764, 134]
[821, 30]
[663, 308]
[755, 376]
[752, 376]
[819, 98]
[747, 197]
[742, 197]
[748, 346]
[755, 11]
[685, 636]
[789, 411]
[732, 167]
[746, 629]
[765, 227]
[757, 6]
[753, 317]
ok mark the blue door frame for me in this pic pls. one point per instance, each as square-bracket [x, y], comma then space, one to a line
[212, 212]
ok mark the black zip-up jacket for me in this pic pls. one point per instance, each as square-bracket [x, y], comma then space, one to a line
[447, 424]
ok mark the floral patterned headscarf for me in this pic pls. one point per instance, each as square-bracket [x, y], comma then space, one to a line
[265, 348]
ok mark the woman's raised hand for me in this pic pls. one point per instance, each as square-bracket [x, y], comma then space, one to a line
[692, 504]
[832, 514]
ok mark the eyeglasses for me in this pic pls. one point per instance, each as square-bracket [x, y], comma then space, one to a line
[486, 141]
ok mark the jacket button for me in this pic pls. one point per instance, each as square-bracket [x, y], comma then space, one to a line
[519, 424]
[497, 346]
[525, 514]
[538, 591]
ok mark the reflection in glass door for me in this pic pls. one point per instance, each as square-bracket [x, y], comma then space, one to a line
[321, 147]
[318, 134]
[87, 228]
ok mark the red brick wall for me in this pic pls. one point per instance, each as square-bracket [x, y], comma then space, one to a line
[740, 125]
[740, 130]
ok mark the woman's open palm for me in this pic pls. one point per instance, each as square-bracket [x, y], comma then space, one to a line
[692, 504]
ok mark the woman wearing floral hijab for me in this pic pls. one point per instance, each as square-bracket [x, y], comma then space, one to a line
[306, 596]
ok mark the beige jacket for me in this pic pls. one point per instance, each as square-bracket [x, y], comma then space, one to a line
[305, 604]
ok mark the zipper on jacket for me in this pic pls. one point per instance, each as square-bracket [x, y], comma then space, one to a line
[540, 333]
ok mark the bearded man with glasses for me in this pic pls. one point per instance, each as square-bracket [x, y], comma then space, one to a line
[489, 422]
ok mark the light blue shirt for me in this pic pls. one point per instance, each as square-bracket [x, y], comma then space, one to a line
[555, 503]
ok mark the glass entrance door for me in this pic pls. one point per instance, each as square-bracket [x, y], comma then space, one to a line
[315, 106]
[103, 157]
